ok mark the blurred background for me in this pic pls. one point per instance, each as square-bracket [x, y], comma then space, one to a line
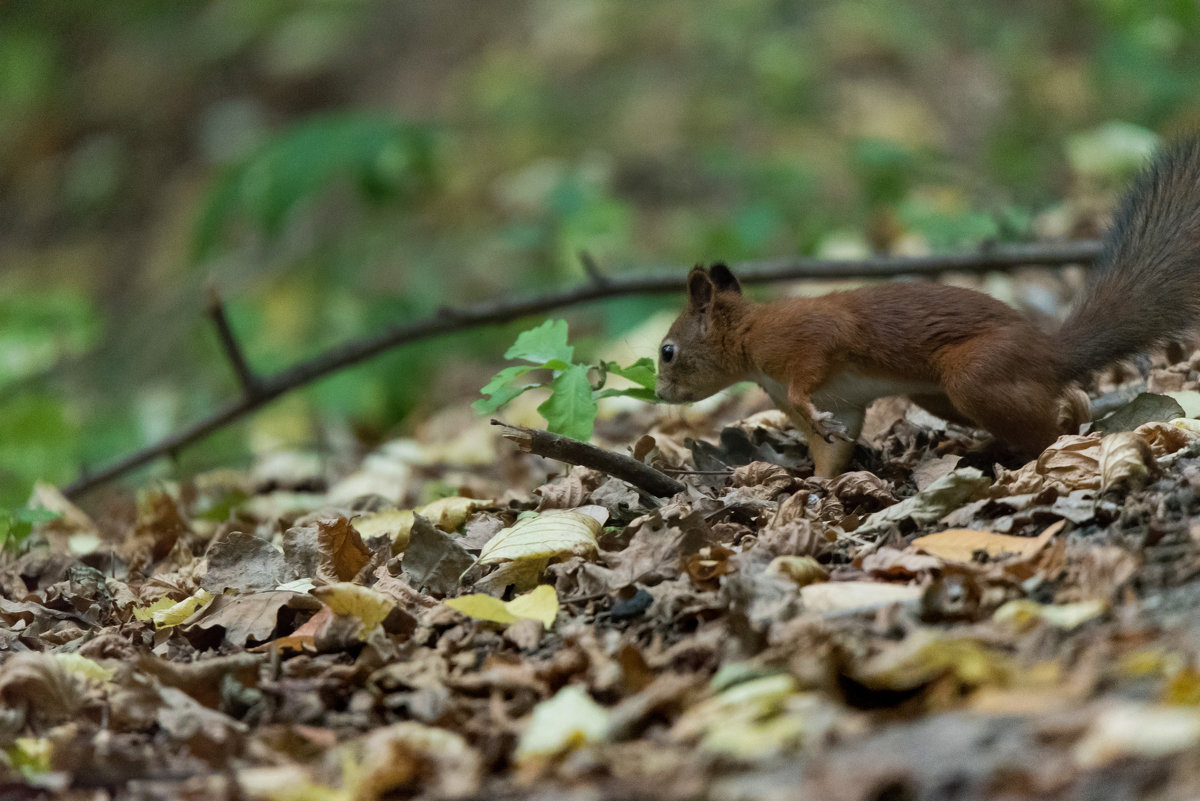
[336, 167]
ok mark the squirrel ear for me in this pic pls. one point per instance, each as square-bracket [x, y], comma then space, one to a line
[700, 289]
[723, 279]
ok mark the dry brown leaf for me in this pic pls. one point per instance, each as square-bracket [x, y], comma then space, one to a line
[243, 562]
[1071, 463]
[962, 544]
[770, 478]
[570, 491]
[862, 492]
[303, 638]
[342, 551]
[894, 563]
[202, 680]
[797, 538]
[254, 616]
[39, 691]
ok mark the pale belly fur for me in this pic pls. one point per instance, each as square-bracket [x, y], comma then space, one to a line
[850, 389]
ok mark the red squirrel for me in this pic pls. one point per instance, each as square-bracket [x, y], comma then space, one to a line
[962, 355]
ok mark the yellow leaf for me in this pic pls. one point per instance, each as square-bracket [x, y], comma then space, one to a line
[449, 514]
[961, 544]
[568, 720]
[395, 523]
[147, 612]
[1022, 613]
[558, 532]
[85, 668]
[166, 613]
[482, 607]
[31, 755]
[1183, 689]
[541, 604]
[803, 570]
[354, 600]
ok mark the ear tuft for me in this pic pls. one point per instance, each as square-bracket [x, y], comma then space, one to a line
[723, 279]
[700, 290]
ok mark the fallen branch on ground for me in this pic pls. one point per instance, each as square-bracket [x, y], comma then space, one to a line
[572, 451]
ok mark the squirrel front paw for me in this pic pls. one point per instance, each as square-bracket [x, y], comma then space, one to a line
[828, 427]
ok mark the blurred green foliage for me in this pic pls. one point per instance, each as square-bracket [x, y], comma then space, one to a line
[335, 168]
[17, 524]
[384, 159]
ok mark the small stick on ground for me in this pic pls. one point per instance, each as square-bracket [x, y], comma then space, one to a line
[571, 451]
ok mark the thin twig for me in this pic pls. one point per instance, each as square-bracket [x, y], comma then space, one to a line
[592, 268]
[501, 311]
[233, 349]
[572, 451]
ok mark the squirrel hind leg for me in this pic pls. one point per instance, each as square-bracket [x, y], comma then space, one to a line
[940, 406]
[1026, 416]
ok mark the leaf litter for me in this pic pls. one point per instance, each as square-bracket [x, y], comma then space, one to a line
[925, 621]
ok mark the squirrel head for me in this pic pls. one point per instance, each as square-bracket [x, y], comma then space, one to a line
[697, 357]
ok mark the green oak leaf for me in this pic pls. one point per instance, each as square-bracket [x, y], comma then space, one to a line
[546, 343]
[571, 408]
[640, 372]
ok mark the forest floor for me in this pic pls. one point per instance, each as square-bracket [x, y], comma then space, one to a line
[925, 626]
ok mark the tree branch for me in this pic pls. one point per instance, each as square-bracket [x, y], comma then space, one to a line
[572, 451]
[267, 389]
[233, 349]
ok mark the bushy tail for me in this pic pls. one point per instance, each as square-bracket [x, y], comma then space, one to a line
[1145, 289]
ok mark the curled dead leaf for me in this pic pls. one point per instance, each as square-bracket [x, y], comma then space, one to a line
[772, 478]
[1071, 463]
[1167, 438]
[862, 491]
[705, 567]
[1126, 462]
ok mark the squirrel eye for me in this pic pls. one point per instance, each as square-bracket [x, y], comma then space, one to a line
[668, 353]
